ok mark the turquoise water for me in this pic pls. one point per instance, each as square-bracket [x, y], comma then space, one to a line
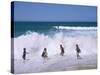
[21, 28]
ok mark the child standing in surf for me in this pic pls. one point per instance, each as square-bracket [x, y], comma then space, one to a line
[78, 51]
[24, 54]
[62, 50]
[44, 54]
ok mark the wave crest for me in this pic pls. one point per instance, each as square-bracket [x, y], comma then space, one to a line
[75, 28]
[35, 43]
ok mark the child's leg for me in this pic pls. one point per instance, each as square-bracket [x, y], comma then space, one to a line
[77, 55]
[62, 53]
[44, 60]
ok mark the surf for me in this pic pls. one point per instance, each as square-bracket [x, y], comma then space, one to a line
[75, 28]
[35, 42]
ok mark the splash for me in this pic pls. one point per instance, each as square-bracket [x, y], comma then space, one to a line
[35, 43]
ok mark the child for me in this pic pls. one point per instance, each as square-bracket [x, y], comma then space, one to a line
[44, 54]
[78, 51]
[62, 50]
[24, 54]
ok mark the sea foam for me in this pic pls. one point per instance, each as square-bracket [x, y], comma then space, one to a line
[35, 43]
[75, 28]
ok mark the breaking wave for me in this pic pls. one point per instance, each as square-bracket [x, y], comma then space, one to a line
[35, 42]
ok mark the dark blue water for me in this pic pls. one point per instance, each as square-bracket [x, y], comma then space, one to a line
[45, 27]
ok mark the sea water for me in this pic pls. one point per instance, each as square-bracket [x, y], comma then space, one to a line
[35, 36]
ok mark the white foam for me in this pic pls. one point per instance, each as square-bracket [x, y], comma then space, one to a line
[35, 43]
[75, 28]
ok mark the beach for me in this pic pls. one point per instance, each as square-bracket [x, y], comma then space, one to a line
[35, 42]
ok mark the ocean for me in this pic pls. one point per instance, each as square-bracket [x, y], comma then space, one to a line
[47, 27]
[35, 36]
